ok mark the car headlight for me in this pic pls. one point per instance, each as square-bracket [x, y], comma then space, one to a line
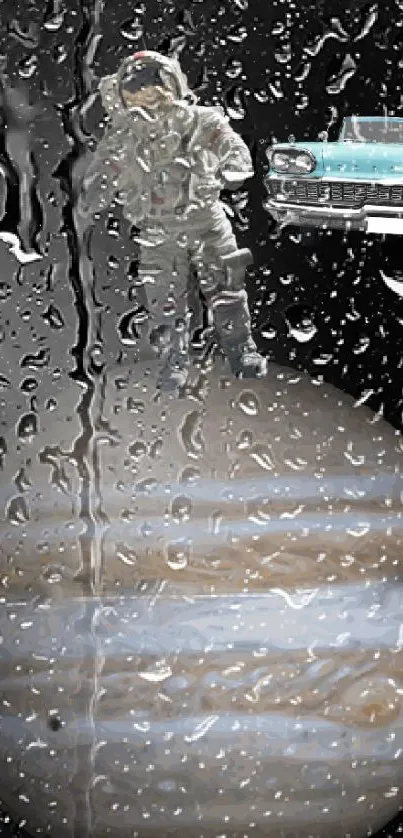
[293, 162]
[280, 161]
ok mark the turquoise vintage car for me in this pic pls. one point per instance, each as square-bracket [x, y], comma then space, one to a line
[355, 183]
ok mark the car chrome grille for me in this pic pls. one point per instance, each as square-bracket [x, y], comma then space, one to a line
[343, 193]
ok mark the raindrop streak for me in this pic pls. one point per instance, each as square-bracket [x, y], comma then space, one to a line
[17, 250]
[368, 23]
[338, 83]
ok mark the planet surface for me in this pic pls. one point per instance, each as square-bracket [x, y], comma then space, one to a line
[201, 610]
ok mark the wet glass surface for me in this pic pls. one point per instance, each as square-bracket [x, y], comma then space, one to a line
[200, 616]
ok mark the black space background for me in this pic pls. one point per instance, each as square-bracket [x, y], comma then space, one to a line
[253, 57]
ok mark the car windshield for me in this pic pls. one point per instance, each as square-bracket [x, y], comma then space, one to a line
[372, 131]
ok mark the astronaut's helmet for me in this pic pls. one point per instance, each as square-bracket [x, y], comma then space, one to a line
[149, 80]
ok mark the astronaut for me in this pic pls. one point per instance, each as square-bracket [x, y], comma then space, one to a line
[166, 159]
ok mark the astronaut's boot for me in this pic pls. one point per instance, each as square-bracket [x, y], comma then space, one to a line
[233, 325]
[246, 361]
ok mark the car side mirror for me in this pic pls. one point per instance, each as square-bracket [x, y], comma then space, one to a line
[323, 136]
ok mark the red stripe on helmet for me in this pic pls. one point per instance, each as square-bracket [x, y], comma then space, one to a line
[138, 55]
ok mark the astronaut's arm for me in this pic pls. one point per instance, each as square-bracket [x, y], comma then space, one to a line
[99, 184]
[233, 154]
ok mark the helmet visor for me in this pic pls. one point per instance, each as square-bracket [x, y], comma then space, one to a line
[137, 78]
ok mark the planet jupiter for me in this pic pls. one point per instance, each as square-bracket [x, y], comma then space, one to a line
[202, 613]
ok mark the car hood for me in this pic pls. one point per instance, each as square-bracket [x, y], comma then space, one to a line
[354, 160]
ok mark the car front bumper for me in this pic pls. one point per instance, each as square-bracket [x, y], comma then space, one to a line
[370, 218]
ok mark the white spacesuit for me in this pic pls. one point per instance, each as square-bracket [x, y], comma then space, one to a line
[166, 159]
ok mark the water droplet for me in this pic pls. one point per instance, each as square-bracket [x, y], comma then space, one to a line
[237, 34]
[138, 449]
[36, 361]
[127, 326]
[27, 427]
[177, 555]
[132, 29]
[278, 28]
[51, 404]
[53, 317]
[3, 450]
[268, 332]
[113, 262]
[17, 510]
[134, 406]
[21, 481]
[53, 574]
[181, 508]
[261, 455]
[29, 385]
[244, 440]
[27, 67]
[191, 435]
[146, 486]
[261, 95]
[5, 291]
[235, 103]
[59, 53]
[5, 383]
[161, 672]
[248, 403]
[126, 554]
[156, 448]
[283, 56]
[300, 323]
[189, 475]
[337, 83]
[96, 359]
[54, 22]
[362, 345]
[233, 68]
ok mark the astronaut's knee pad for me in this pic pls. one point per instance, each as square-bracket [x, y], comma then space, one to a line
[235, 265]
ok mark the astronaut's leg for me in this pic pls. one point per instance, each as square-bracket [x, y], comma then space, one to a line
[233, 324]
[164, 270]
[221, 268]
